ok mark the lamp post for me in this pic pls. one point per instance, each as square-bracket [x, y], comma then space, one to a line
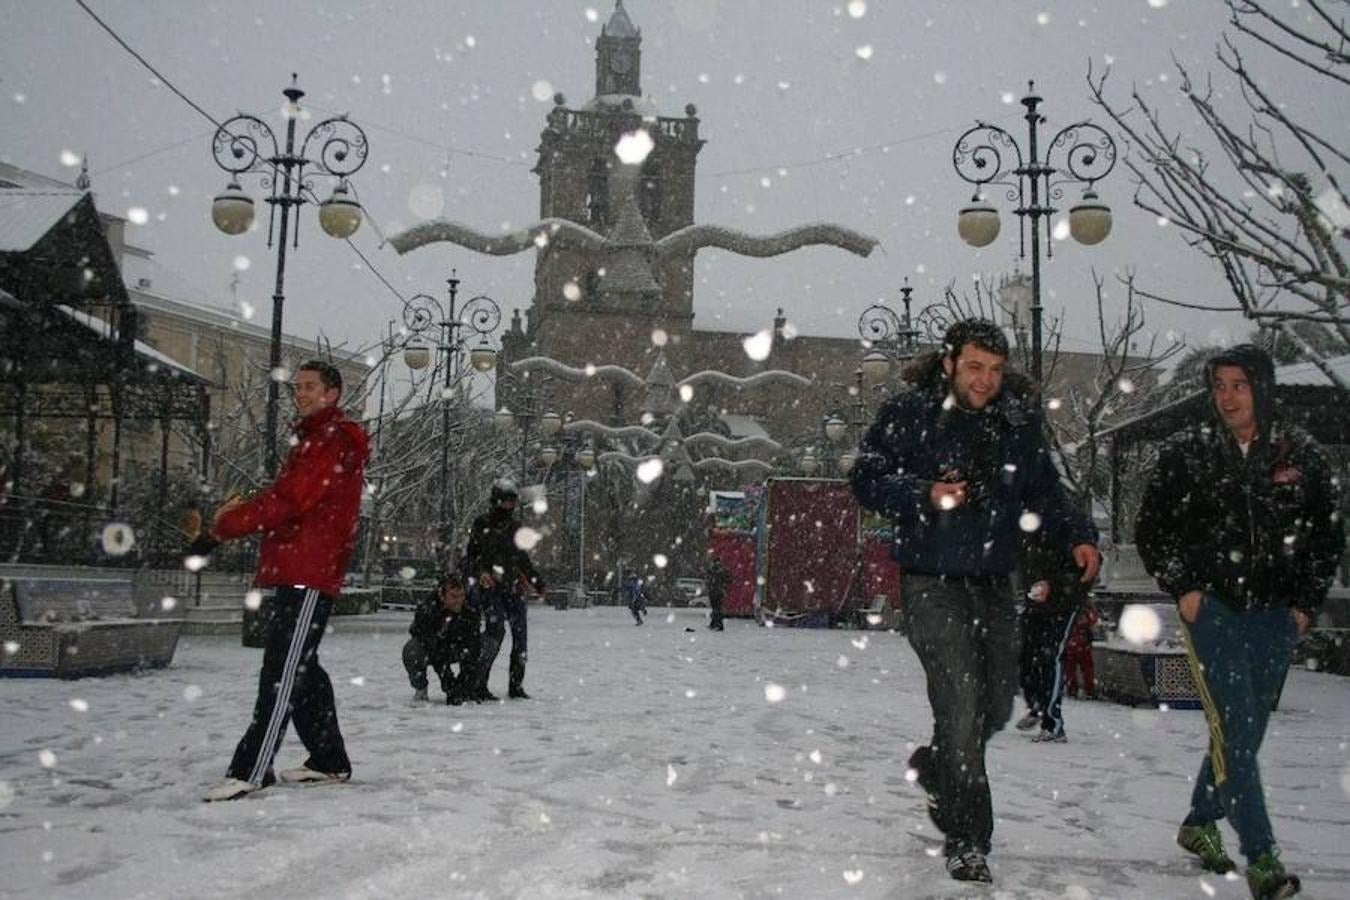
[246, 144]
[890, 337]
[1089, 154]
[480, 315]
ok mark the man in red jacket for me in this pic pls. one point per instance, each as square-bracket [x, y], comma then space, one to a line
[308, 519]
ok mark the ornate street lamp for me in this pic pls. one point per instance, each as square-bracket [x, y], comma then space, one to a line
[892, 338]
[421, 313]
[1032, 182]
[246, 144]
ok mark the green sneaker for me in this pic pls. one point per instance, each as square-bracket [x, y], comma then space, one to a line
[1267, 879]
[1207, 844]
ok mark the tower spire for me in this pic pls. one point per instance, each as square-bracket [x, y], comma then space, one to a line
[618, 56]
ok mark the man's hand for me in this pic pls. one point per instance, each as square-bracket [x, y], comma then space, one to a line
[947, 494]
[1303, 620]
[230, 503]
[1188, 606]
[1039, 592]
[1089, 560]
[224, 508]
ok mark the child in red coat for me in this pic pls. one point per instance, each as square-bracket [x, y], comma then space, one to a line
[1078, 653]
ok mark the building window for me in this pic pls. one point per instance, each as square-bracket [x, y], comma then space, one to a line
[597, 193]
[649, 192]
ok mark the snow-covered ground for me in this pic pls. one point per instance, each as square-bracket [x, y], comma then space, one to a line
[652, 762]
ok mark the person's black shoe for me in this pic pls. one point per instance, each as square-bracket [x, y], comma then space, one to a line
[969, 865]
[486, 696]
[454, 699]
[517, 693]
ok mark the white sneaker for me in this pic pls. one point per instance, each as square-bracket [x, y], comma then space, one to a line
[306, 775]
[1050, 737]
[230, 789]
[1029, 721]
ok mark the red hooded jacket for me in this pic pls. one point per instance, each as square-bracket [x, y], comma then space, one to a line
[308, 516]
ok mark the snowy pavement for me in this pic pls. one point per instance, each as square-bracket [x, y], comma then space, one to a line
[655, 762]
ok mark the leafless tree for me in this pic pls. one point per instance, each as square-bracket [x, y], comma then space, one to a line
[1122, 386]
[1268, 202]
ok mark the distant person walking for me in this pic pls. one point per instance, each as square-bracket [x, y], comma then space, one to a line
[1239, 523]
[637, 606]
[1055, 597]
[716, 582]
[960, 465]
[308, 519]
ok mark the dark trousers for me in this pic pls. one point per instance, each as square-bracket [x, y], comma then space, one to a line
[638, 607]
[1044, 636]
[1239, 661]
[966, 637]
[417, 657]
[501, 609]
[715, 613]
[292, 686]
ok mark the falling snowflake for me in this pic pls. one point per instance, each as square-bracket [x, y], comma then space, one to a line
[842, 661]
[168, 603]
[660, 560]
[192, 693]
[358, 681]
[864, 52]
[774, 693]
[407, 573]
[253, 600]
[117, 538]
[241, 263]
[1139, 624]
[853, 876]
[137, 215]
[686, 393]
[1029, 522]
[527, 538]
[280, 374]
[79, 705]
[47, 758]
[758, 345]
[659, 337]
[572, 291]
[650, 470]
[857, 8]
[633, 147]
[671, 775]
[542, 91]
[194, 563]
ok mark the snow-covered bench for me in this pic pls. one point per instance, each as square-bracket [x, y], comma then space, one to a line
[71, 627]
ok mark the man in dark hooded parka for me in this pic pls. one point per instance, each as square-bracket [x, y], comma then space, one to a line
[1240, 524]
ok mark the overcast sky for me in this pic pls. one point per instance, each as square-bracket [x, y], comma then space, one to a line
[811, 111]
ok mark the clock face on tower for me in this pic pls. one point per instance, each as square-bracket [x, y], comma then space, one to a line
[621, 61]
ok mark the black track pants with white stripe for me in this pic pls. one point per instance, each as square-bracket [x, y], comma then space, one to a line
[292, 685]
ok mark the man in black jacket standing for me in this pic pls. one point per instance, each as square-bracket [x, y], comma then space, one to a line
[1240, 524]
[444, 633]
[502, 570]
[960, 464]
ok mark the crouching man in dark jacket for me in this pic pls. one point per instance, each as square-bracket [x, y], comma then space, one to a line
[1240, 524]
[444, 634]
